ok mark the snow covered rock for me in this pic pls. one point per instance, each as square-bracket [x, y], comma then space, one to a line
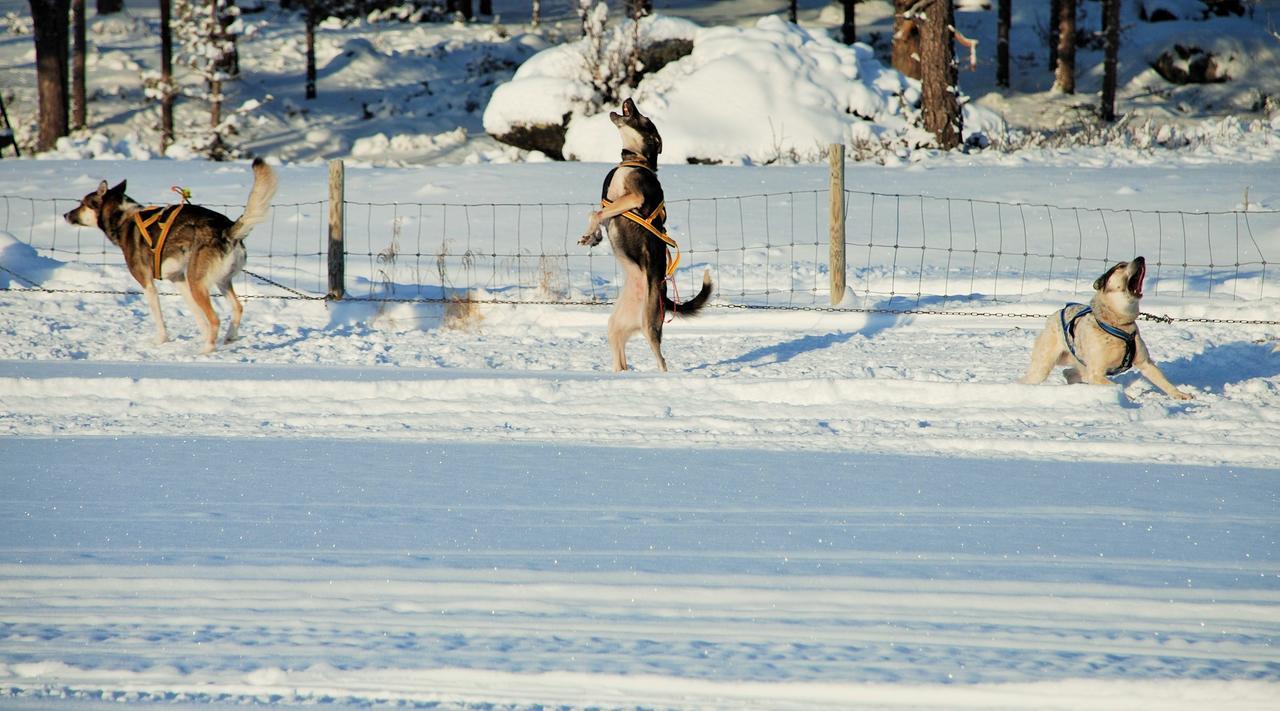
[773, 93]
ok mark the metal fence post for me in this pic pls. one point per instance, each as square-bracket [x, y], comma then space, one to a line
[337, 219]
[836, 160]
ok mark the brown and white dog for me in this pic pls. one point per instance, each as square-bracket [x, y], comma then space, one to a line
[200, 247]
[638, 238]
[1100, 339]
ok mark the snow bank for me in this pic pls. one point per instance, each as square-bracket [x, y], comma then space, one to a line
[765, 94]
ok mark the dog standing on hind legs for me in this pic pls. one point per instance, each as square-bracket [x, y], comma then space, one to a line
[1101, 339]
[192, 246]
[633, 211]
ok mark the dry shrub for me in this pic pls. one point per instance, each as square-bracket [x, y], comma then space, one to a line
[461, 313]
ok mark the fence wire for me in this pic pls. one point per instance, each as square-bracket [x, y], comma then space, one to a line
[904, 253]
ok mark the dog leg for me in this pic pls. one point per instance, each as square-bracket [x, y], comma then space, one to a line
[1155, 375]
[1042, 358]
[654, 334]
[237, 310]
[207, 318]
[1073, 376]
[153, 301]
[618, 344]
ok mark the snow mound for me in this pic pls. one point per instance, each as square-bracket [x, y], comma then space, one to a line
[772, 93]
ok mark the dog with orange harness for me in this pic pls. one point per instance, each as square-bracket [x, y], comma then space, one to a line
[190, 245]
[633, 211]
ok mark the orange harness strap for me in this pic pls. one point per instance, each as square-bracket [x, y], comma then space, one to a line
[144, 226]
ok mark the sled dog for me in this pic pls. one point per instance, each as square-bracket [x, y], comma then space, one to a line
[190, 245]
[633, 212]
[1100, 339]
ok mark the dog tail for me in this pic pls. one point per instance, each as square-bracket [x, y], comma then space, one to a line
[692, 306]
[255, 211]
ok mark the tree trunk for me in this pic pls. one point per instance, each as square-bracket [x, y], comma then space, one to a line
[1055, 12]
[791, 11]
[311, 53]
[166, 75]
[231, 62]
[939, 102]
[849, 28]
[486, 7]
[536, 20]
[80, 111]
[1004, 19]
[215, 84]
[52, 28]
[906, 39]
[109, 7]
[1111, 33]
[1065, 76]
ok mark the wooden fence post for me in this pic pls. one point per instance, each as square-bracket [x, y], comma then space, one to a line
[836, 160]
[337, 219]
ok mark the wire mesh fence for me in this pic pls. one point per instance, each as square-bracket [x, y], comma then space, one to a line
[902, 252]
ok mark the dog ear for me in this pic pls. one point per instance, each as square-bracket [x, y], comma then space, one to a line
[1101, 281]
[118, 191]
[102, 188]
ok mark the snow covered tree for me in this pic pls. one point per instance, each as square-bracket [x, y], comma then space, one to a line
[52, 26]
[204, 32]
[536, 14]
[791, 11]
[461, 8]
[1065, 69]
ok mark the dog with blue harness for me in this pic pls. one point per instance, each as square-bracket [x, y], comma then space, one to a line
[1101, 339]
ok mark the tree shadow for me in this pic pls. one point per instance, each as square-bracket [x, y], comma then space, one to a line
[1221, 365]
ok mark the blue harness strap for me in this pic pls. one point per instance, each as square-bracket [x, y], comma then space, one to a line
[1069, 335]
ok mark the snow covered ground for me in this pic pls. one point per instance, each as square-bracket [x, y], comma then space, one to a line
[364, 508]
[366, 505]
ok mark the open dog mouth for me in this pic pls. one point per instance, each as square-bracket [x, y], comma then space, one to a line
[1135, 281]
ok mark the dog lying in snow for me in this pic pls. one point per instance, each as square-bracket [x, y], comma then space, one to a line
[190, 245]
[632, 209]
[1100, 339]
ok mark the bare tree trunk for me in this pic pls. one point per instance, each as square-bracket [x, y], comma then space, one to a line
[791, 11]
[486, 7]
[79, 110]
[1111, 33]
[537, 13]
[108, 7]
[1055, 12]
[1004, 19]
[1065, 75]
[938, 74]
[166, 76]
[311, 53]
[52, 27]
[849, 28]
[906, 39]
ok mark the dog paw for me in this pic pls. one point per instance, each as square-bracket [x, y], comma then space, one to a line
[1179, 395]
[590, 240]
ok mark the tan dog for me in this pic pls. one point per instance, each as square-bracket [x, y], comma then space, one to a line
[192, 246]
[1101, 339]
[634, 213]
